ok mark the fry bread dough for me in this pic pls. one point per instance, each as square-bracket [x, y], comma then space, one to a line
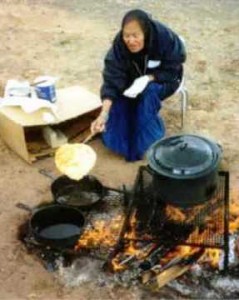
[75, 160]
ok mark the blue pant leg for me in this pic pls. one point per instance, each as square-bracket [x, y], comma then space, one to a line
[149, 124]
[116, 136]
[134, 124]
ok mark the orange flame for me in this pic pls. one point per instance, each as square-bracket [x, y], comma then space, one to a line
[106, 233]
[102, 234]
[175, 214]
[212, 256]
[234, 216]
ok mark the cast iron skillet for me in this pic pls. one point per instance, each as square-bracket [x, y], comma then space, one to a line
[83, 193]
[57, 226]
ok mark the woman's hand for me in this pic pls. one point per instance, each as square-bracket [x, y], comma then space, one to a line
[98, 125]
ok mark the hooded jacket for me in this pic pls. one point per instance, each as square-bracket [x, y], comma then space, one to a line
[164, 55]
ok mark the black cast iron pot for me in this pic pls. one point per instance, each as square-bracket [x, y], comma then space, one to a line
[185, 169]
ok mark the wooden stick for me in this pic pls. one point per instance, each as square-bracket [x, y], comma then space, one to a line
[88, 138]
[155, 283]
[174, 269]
[171, 274]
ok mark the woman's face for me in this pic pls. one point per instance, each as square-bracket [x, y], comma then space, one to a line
[133, 36]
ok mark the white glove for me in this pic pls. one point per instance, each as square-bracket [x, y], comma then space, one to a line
[137, 87]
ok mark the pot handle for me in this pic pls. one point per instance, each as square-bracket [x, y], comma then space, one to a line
[24, 207]
[61, 200]
[183, 146]
[47, 174]
[174, 141]
[220, 147]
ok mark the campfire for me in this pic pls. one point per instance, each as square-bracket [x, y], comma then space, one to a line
[153, 244]
[146, 244]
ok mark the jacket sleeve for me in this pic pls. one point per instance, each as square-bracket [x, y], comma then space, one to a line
[114, 75]
[174, 55]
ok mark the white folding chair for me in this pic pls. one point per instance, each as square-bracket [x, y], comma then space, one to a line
[182, 91]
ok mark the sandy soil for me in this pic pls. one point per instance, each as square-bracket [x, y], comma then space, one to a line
[69, 39]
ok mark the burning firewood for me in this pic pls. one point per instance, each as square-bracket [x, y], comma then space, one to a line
[156, 278]
[170, 274]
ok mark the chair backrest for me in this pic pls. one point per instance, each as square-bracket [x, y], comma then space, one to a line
[182, 39]
[181, 86]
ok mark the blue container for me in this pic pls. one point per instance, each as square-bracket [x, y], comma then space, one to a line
[46, 90]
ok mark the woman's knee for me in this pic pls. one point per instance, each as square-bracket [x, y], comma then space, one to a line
[150, 100]
[153, 88]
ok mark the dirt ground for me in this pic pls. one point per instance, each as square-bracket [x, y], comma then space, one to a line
[69, 39]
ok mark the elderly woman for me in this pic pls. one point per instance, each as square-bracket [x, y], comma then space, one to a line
[142, 68]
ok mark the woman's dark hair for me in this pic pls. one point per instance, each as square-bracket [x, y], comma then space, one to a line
[141, 17]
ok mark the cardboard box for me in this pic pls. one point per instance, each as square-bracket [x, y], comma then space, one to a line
[22, 132]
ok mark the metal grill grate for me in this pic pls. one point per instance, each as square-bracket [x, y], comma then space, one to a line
[203, 225]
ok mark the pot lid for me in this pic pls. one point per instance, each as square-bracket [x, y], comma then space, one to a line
[183, 156]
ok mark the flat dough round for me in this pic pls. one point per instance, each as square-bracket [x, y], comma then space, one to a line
[75, 160]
